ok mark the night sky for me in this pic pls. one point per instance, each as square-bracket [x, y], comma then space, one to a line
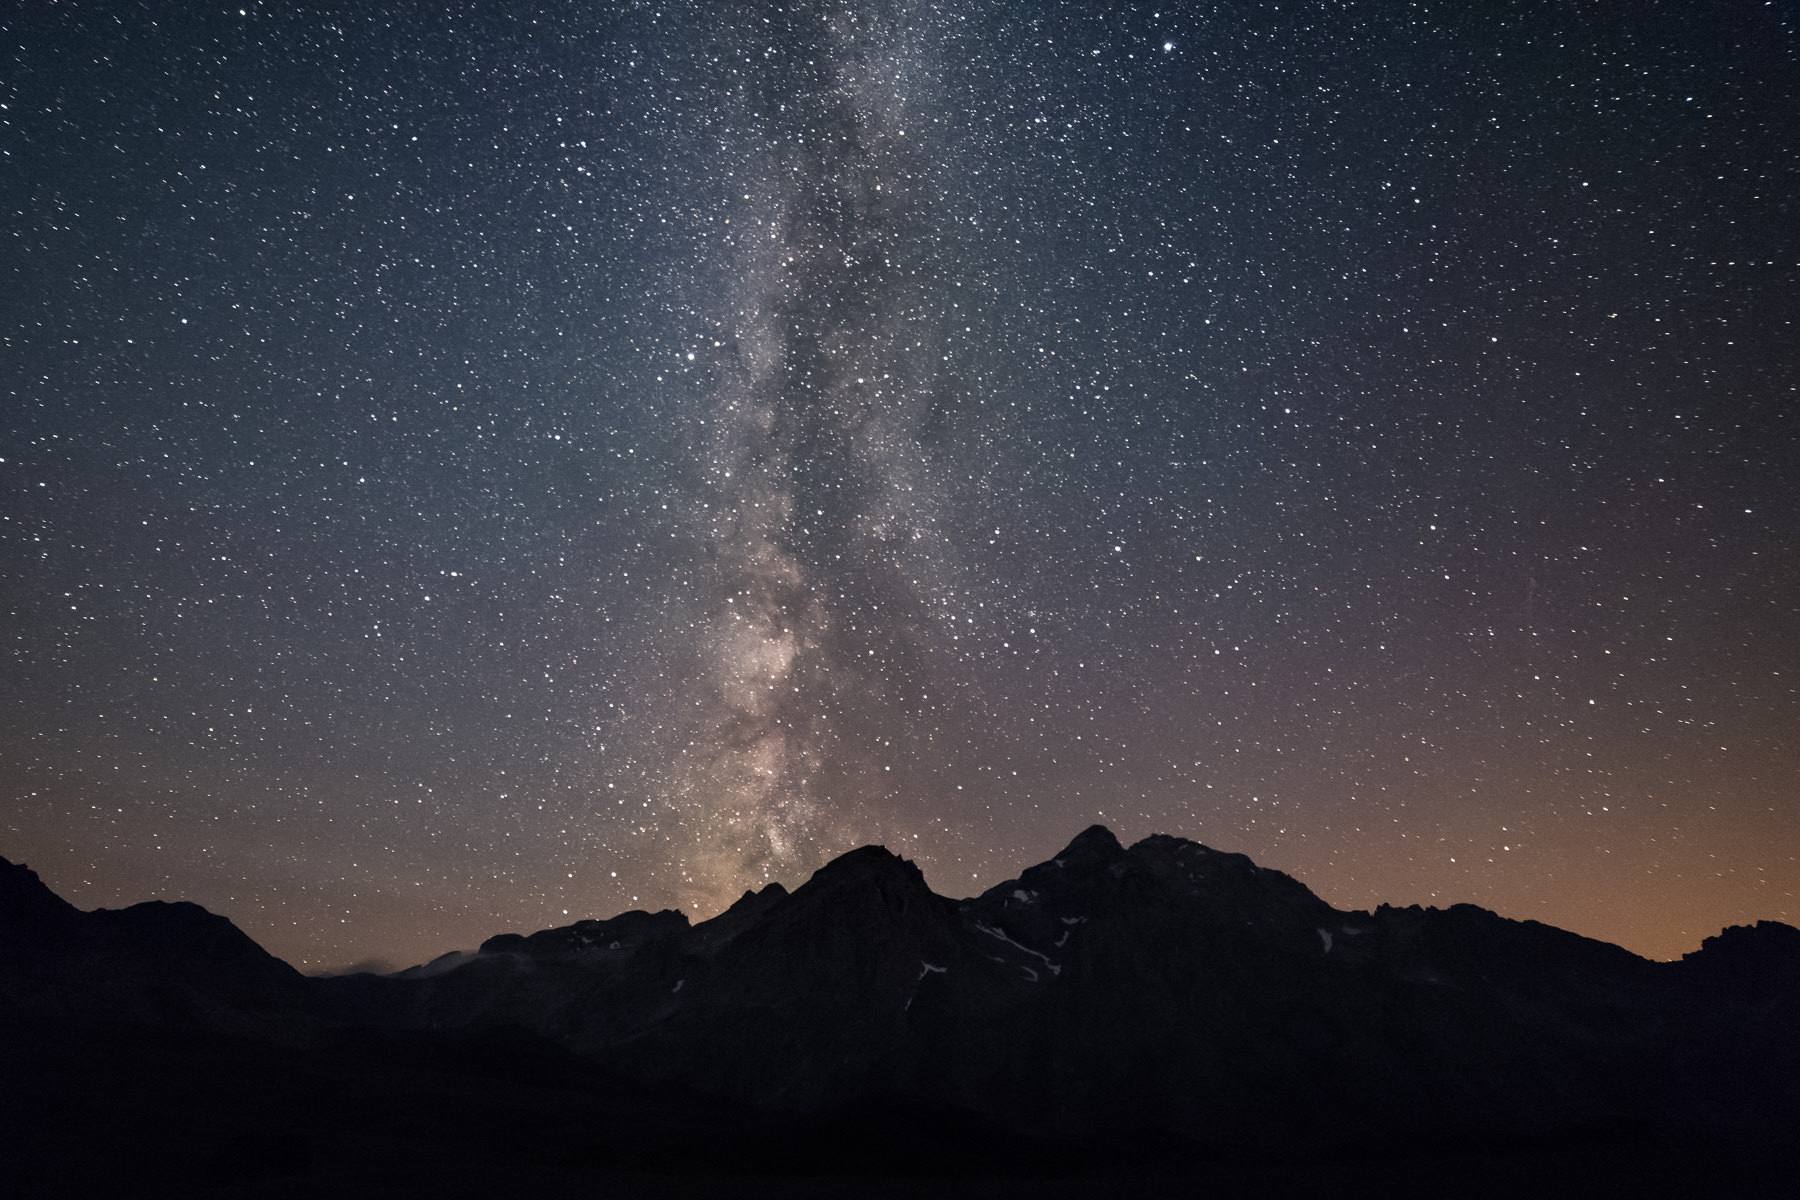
[465, 468]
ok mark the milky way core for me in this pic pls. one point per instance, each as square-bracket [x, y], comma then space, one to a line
[813, 525]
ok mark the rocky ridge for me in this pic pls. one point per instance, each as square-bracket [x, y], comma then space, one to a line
[1166, 991]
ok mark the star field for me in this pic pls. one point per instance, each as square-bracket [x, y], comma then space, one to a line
[468, 470]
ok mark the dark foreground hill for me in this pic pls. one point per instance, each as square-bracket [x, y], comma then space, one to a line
[1165, 1018]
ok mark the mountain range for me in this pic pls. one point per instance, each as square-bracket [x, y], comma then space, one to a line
[1161, 1017]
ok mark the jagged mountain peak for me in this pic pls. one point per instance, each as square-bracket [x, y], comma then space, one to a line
[866, 867]
[1764, 937]
[749, 908]
[1097, 875]
[1762, 955]
[754, 899]
[27, 904]
[1096, 843]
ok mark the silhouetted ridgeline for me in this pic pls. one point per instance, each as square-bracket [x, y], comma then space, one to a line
[1162, 1013]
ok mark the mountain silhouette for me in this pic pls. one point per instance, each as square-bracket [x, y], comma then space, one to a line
[1111, 1012]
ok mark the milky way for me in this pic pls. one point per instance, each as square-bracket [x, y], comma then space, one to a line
[814, 524]
[468, 470]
